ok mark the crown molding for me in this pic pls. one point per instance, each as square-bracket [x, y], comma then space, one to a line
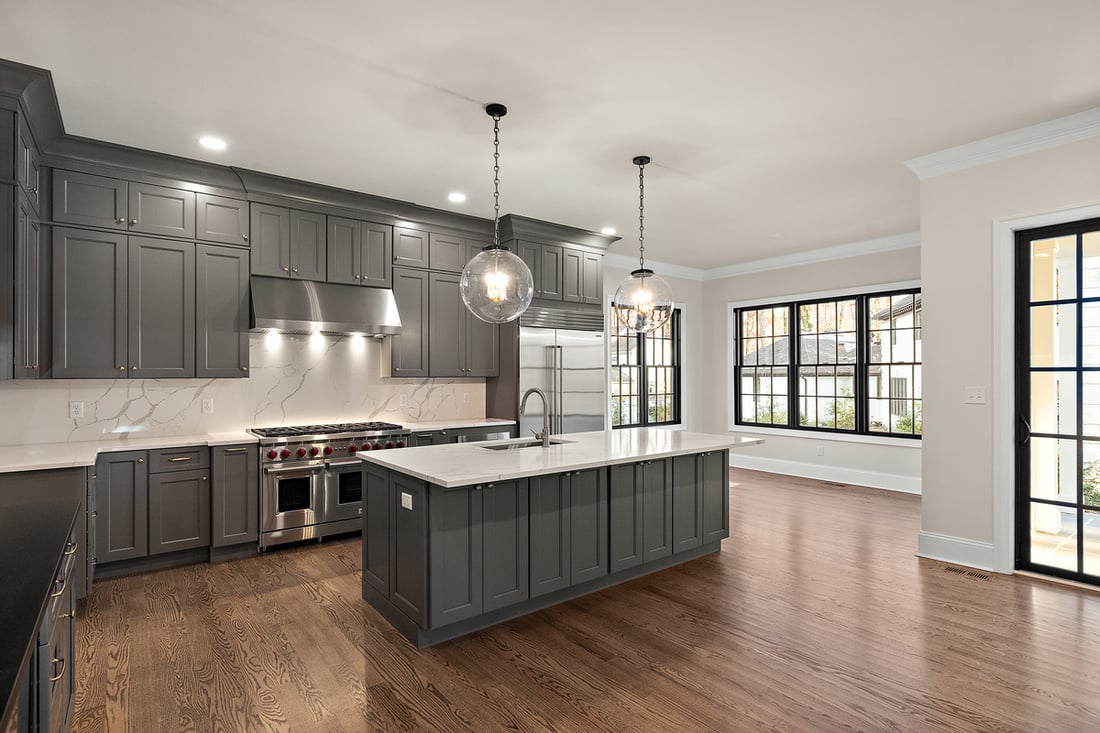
[1070, 129]
[824, 254]
[664, 269]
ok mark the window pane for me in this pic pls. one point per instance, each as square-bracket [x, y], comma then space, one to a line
[1054, 536]
[1054, 335]
[1054, 268]
[1090, 265]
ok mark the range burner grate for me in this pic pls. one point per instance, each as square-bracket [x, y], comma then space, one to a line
[329, 429]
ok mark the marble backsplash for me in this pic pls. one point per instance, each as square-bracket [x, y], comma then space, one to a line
[294, 380]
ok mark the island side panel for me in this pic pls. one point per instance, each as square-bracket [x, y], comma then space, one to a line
[715, 484]
[377, 507]
[409, 547]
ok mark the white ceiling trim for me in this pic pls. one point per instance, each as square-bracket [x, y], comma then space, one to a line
[824, 254]
[1070, 129]
[665, 269]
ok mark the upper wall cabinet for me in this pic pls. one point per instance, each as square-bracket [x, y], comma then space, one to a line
[570, 274]
[222, 220]
[110, 203]
[289, 243]
[359, 253]
[221, 311]
[161, 210]
[410, 247]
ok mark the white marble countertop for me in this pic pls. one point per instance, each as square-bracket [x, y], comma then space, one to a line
[43, 456]
[462, 464]
[476, 422]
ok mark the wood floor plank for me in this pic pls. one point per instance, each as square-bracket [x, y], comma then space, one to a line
[817, 616]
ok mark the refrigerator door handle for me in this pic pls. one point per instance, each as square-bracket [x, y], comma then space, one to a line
[554, 386]
[560, 407]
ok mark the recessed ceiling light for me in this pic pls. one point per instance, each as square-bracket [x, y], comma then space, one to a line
[211, 142]
[456, 197]
[607, 230]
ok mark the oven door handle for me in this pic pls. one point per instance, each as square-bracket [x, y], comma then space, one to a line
[312, 468]
[342, 464]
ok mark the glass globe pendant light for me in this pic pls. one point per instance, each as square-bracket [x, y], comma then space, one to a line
[496, 285]
[643, 303]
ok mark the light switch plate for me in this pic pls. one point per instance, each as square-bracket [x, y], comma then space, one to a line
[406, 500]
[974, 395]
[76, 409]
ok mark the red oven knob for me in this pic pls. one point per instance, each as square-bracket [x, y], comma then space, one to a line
[378, 445]
[328, 450]
[272, 455]
[389, 444]
[353, 448]
[365, 448]
[315, 451]
[400, 444]
[284, 454]
[301, 452]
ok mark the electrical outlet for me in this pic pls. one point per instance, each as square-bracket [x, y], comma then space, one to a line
[974, 395]
[208, 405]
[406, 500]
[76, 409]
[404, 400]
[821, 450]
[465, 398]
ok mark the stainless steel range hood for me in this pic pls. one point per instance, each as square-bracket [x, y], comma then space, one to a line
[302, 306]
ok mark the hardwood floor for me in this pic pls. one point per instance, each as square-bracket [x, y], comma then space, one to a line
[816, 616]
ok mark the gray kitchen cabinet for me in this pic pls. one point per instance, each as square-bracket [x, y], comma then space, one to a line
[87, 200]
[410, 247]
[221, 219]
[417, 440]
[409, 548]
[531, 255]
[89, 304]
[28, 168]
[409, 349]
[455, 555]
[359, 253]
[582, 276]
[270, 228]
[179, 510]
[459, 343]
[221, 311]
[377, 505]
[308, 251]
[446, 252]
[161, 210]
[640, 500]
[121, 506]
[32, 299]
[234, 494]
[687, 503]
[587, 525]
[161, 309]
[714, 473]
[548, 284]
[504, 543]
[8, 320]
[568, 529]
[655, 479]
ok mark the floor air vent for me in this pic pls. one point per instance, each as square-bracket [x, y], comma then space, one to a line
[968, 573]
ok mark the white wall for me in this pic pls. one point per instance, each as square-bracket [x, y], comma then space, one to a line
[294, 379]
[961, 215]
[893, 464]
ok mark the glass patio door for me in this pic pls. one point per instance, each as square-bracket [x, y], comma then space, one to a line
[1058, 399]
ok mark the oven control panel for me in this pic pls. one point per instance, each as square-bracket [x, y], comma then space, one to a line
[331, 449]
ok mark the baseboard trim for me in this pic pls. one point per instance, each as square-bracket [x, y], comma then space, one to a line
[957, 550]
[839, 474]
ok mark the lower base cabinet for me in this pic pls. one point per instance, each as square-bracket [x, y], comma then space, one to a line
[568, 529]
[234, 495]
[641, 513]
[179, 510]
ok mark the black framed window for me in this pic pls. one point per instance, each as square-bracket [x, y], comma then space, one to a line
[645, 376]
[851, 364]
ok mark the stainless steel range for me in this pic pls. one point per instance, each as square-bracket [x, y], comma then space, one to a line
[312, 485]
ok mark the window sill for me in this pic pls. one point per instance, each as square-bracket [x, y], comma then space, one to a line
[839, 438]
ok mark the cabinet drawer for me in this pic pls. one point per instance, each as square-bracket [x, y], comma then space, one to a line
[179, 459]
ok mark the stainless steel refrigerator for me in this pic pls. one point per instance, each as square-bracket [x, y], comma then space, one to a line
[570, 367]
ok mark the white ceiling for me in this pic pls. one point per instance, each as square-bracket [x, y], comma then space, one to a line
[774, 128]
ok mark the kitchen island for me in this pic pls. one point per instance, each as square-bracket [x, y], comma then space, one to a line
[457, 538]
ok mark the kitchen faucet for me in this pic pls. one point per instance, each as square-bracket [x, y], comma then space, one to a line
[544, 436]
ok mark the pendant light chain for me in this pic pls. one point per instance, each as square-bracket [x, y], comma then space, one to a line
[496, 180]
[641, 216]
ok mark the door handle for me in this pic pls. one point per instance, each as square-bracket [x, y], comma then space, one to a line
[1024, 430]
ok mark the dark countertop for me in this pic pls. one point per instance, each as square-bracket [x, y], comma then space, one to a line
[37, 511]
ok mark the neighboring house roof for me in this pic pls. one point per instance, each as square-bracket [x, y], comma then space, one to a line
[901, 307]
[778, 352]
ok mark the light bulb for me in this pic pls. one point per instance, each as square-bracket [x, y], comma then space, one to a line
[643, 303]
[496, 286]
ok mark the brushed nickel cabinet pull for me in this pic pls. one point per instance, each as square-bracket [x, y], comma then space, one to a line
[181, 458]
[60, 674]
[235, 450]
[286, 269]
[60, 590]
[70, 547]
[133, 222]
[204, 478]
[120, 220]
[122, 369]
[245, 236]
[133, 368]
[141, 460]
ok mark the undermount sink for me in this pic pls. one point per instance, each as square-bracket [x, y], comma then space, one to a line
[515, 445]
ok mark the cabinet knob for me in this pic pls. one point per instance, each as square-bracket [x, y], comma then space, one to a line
[244, 369]
[35, 190]
[133, 222]
[244, 237]
[358, 277]
[204, 478]
[286, 269]
[295, 269]
[120, 220]
[397, 369]
[141, 460]
[133, 368]
[122, 369]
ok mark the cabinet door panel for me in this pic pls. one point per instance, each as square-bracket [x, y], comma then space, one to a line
[89, 311]
[308, 251]
[550, 535]
[80, 198]
[410, 247]
[179, 511]
[161, 308]
[376, 260]
[572, 275]
[221, 219]
[376, 528]
[687, 499]
[446, 253]
[31, 306]
[162, 210]
[504, 543]
[409, 549]
[270, 240]
[588, 525]
[409, 349]
[716, 495]
[531, 255]
[29, 170]
[456, 555]
[344, 251]
[235, 492]
[592, 279]
[625, 515]
[550, 272]
[482, 345]
[446, 327]
[121, 505]
[656, 510]
[221, 311]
